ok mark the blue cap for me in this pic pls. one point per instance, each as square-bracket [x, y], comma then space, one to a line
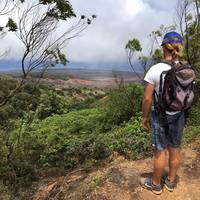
[172, 37]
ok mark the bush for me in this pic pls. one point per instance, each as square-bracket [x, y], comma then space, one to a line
[7, 84]
[73, 123]
[66, 140]
[67, 146]
[5, 193]
[50, 103]
[191, 133]
[122, 104]
[130, 140]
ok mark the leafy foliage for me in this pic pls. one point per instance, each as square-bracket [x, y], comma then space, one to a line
[123, 103]
[43, 129]
[11, 25]
[62, 9]
[193, 48]
[67, 140]
[133, 45]
[158, 55]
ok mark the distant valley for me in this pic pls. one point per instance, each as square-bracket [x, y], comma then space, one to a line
[77, 75]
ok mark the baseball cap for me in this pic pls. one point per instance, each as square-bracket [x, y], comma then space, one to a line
[172, 37]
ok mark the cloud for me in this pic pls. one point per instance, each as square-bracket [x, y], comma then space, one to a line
[162, 5]
[117, 22]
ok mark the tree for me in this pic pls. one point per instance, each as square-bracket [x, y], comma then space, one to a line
[132, 47]
[41, 35]
[154, 55]
[158, 55]
[156, 37]
[188, 22]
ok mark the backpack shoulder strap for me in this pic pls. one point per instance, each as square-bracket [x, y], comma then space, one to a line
[159, 94]
[161, 78]
[161, 82]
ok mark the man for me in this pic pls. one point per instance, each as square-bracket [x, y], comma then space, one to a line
[162, 141]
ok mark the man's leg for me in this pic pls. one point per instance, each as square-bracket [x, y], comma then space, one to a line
[174, 162]
[153, 183]
[159, 165]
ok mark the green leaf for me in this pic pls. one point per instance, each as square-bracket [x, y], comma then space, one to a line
[11, 25]
[133, 45]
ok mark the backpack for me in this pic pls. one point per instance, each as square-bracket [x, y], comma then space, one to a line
[176, 90]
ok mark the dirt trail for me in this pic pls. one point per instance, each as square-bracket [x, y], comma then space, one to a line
[120, 181]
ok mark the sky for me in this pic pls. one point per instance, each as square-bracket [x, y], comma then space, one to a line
[117, 22]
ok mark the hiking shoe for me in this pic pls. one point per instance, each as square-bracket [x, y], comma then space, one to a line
[148, 184]
[169, 185]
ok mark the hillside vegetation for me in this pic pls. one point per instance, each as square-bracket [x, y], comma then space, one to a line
[44, 130]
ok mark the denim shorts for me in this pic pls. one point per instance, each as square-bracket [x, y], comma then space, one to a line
[167, 130]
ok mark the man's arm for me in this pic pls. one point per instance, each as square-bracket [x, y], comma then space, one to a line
[146, 105]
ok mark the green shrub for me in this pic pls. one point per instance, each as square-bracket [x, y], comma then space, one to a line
[67, 143]
[29, 144]
[130, 140]
[5, 193]
[7, 84]
[191, 133]
[123, 103]
[194, 117]
[50, 103]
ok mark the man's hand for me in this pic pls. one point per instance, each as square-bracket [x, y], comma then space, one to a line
[146, 124]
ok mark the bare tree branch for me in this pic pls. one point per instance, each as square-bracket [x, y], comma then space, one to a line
[7, 6]
[40, 35]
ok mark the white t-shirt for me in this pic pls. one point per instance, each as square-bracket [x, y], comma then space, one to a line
[153, 77]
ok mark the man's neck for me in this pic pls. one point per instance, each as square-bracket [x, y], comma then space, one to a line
[168, 58]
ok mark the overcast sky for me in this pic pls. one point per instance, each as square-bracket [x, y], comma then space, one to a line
[117, 22]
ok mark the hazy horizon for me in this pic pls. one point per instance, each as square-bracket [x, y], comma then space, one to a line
[14, 65]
